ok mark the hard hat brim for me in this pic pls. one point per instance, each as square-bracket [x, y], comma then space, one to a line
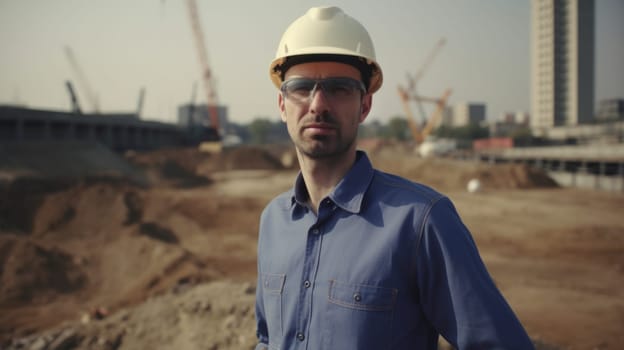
[375, 79]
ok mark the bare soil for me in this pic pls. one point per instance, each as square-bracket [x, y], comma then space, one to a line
[158, 250]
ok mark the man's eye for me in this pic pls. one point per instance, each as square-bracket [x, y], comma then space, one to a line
[339, 89]
[300, 89]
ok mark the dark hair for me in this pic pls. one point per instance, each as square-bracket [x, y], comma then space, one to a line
[366, 70]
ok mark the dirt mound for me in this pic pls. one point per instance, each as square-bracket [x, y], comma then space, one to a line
[217, 315]
[32, 272]
[121, 245]
[87, 209]
[189, 167]
[511, 176]
[172, 167]
[452, 175]
[248, 157]
[63, 160]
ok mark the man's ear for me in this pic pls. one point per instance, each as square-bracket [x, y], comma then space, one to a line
[280, 103]
[366, 104]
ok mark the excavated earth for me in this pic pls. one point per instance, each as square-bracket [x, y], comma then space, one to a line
[157, 250]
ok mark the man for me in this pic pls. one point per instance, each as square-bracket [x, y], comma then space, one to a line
[351, 257]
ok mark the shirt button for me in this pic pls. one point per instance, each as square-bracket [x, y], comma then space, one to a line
[307, 284]
[315, 231]
[357, 297]
[300, 336]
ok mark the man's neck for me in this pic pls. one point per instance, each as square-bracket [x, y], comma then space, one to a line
[322, 175]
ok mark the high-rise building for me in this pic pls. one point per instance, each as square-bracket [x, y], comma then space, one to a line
[562, 63]
[465, 113]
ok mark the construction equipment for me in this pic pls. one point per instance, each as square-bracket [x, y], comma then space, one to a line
[82, 80]
[74, 99]
[211, 93]
[419, 134]
[140, 102]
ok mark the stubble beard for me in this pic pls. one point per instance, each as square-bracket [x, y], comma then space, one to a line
[324, 146]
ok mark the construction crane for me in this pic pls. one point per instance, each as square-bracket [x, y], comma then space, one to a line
[140, 102]
[211, 93]
[413, 80]
[82, 80]
[74, 99]
[419, 134]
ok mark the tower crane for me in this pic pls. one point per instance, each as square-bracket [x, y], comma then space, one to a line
[407, 94]
[211, 93]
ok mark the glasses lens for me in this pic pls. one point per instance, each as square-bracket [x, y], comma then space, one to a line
[341, 88]
[300, 90]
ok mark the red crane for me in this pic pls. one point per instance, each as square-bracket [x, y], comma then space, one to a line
[211, 92]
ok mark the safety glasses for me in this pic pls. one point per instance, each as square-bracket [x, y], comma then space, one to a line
[301, 90]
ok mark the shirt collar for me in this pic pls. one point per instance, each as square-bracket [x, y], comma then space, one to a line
[349, 192]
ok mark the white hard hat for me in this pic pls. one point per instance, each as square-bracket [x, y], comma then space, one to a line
[327, 34]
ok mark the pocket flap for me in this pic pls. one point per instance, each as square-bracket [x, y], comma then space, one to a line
[273, 283]
[362, 297]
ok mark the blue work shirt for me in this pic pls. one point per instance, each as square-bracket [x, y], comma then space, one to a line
[386, 264]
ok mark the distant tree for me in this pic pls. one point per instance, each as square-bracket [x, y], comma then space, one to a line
[469, 132]
[241, 130]
[259, 130]
[397, 129]
[263, 131]
[370, 130]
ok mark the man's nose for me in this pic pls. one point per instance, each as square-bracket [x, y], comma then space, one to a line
[318, 100]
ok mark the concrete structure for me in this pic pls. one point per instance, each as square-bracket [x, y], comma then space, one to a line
[562, 63]
[195, 119]
[599, 167]
[599, 133]
[611, 109]
[118, 132]
[468, 113]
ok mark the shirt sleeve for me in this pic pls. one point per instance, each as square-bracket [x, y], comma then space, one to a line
[458, 295]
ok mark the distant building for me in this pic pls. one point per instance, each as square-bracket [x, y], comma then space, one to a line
[562, 63]
[447, 116]
[468, 113]
[520, 117]
[196, 120]
[611, 109]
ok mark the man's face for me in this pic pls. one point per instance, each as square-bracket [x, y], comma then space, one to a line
[325, 124]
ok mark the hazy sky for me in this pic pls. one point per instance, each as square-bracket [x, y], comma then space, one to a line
[122, 46]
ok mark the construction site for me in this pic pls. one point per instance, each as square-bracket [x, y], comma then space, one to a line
[157, 249]
[118, 232]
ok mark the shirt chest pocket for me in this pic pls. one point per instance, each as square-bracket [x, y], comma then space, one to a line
[359, 316]
[273, 285]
